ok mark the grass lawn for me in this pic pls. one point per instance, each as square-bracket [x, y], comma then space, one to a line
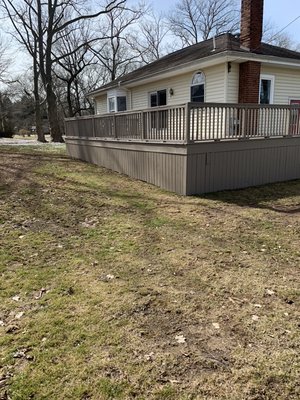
[114, 289]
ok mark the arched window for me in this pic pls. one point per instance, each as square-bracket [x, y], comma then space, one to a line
[198, 87]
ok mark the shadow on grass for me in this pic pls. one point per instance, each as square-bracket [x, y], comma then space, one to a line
[263, 197]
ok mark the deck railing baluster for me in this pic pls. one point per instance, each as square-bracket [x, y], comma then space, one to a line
[193, 122]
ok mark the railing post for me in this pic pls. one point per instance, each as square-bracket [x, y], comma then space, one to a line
[114, 128]
[93, 124]
[187, 123]
[246, 123]
[143, 125]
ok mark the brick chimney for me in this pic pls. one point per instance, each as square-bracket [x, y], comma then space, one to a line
[251, 23]
[250, 38]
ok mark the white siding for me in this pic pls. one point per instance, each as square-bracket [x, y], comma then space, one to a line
[214, 88]
[233, 84]
[180, 85]
[215, 84]
[139, 95]
[221, 86]
[101, 104]
[287, 83]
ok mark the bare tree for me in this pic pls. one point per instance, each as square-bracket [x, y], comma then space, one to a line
[150, 39]
[115, 54]
[43, 23]
[72, 61]
[22, 32]
[273, 35]
[6, 126]
[4, 60]
[196, 20]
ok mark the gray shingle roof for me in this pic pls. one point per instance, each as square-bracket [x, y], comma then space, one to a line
[225, 42]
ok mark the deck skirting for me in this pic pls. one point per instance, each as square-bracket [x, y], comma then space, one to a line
[195, 168]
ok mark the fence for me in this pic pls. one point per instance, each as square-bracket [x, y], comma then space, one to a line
[190, 123]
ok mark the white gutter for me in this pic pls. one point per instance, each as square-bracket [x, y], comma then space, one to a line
[235, 56]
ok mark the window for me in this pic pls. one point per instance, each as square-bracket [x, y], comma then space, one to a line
[117, 103]
[266, 89]
[158, 98]
[198, 87]
[121, 103]
[112, 104]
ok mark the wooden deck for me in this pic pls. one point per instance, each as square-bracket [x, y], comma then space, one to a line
[193, 148]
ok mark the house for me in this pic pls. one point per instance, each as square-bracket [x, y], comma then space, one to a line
[224, 69]
[221, 114]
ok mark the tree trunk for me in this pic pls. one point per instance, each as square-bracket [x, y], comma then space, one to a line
[55, 131]
[38, 117]
[69, 100]
[38, 123]
[77, 99]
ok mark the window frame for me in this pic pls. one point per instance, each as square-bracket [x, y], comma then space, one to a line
[155, 92]
[271, 78]
[117, 103]
[113, 97]
[198, 84]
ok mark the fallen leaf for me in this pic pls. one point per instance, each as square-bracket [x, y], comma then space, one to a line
[149, 357]
[40, 295]
[180, 339]
[19, 354]
[19, 315]
[12, 328]
[174, 381]
[106, 278]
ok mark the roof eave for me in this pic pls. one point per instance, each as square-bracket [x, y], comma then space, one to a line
[236, 56]
[215, 59]
[205, 62]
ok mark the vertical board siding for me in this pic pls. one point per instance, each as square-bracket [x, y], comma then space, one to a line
[197, 168]
[164, 169]
[244, 164]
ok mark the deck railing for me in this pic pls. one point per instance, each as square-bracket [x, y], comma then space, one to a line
[191, 122]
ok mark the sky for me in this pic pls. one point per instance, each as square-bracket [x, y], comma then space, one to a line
[280, 12]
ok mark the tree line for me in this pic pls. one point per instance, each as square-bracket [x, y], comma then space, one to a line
[76, 46]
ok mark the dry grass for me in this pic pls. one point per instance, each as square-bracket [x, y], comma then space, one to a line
[109, 271]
